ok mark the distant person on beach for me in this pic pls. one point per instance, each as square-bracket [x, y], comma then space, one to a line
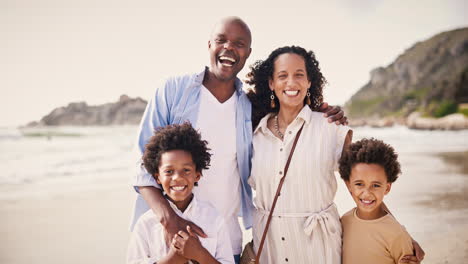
[215, 104]
[370, 232]
[176, 156]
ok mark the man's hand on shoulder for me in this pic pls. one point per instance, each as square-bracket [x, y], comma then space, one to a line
[176, 224]
[334, 114]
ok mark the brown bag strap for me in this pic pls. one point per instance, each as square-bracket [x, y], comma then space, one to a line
[280, 185]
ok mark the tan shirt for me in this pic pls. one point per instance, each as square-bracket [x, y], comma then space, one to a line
[381, 240]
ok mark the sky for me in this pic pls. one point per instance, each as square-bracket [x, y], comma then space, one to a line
[53, 52]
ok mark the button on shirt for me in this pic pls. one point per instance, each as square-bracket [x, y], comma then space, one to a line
[147, 243]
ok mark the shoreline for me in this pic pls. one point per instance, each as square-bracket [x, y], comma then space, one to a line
[416, 121]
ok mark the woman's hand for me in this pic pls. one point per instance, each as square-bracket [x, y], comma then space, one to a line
[334, 114]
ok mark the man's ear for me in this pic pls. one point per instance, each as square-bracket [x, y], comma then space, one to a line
[389, 186]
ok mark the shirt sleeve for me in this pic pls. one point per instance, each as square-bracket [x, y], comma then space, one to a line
[156, 115]
[138, 248]
[401, 246]
[341, 132]
[223, 244]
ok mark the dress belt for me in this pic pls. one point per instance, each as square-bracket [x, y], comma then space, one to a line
[313, 221]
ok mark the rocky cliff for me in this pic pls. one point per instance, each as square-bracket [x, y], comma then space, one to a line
[126, 111]
[431, 77]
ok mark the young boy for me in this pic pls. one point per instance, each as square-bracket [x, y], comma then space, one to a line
[370, 233]
[176, 156]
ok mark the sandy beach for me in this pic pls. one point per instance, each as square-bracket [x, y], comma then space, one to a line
[86, 227]
[87, 222]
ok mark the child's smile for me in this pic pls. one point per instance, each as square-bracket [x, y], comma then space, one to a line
[177, 175]
[367, 203]
[178, 188]
[368, 185]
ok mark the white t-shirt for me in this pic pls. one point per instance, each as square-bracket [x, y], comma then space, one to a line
[147, 243]
[220, 184]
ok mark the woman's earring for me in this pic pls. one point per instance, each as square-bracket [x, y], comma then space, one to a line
[272, 102]
[308, 98]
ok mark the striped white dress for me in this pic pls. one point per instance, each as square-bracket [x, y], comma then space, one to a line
[306, 226]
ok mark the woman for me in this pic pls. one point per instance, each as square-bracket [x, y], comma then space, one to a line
[305, 227]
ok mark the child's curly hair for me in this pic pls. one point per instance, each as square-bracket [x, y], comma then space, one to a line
[176, 137]
[370, 151]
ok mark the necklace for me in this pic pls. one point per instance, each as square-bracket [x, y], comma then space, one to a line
[277, 128]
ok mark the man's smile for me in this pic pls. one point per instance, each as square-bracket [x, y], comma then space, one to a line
[227, 60]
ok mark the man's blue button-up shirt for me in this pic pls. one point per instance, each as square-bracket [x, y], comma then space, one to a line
[177, 100]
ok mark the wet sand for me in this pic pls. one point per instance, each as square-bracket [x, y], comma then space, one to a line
[455, 197]
[456, 160]
[450, 245]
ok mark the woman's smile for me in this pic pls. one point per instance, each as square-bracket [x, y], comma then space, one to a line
[289, 81]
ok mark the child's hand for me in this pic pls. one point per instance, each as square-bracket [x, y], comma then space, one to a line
[417, 257]
[187, 244]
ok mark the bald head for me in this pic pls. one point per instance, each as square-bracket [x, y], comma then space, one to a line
[232, 20]
[229, 48]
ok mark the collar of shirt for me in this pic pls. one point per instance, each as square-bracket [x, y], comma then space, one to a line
[186, 212]
[305, 114]
[200, 76]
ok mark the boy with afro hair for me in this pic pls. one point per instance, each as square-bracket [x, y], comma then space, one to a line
[370, 233]
[175, 156]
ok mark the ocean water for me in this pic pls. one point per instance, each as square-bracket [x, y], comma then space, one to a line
[96, 157]
[64, 159]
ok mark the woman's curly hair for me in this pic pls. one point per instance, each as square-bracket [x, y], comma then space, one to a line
[370, 151]
[262, 71]
[176, 137]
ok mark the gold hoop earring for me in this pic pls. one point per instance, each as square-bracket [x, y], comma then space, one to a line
[308, 98]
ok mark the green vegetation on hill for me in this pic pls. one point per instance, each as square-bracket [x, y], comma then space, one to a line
[365, 107]
[430, 77]
[444, 108]
[463, 111]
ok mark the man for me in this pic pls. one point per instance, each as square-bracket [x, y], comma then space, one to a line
[214, 103]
